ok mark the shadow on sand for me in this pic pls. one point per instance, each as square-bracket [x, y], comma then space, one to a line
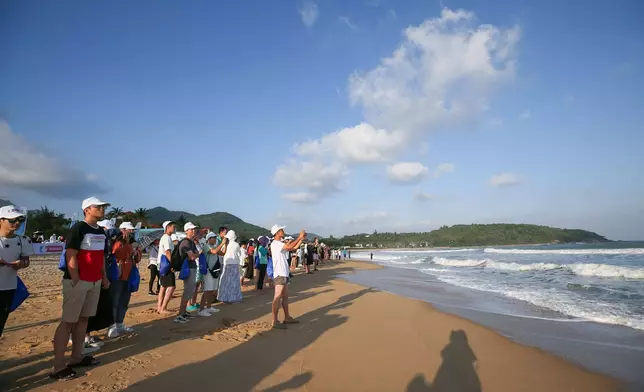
[457, 371]
[262, 354]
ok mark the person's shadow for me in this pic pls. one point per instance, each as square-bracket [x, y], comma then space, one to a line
[456, 373]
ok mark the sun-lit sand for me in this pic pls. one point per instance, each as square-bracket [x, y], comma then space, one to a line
[350, 338]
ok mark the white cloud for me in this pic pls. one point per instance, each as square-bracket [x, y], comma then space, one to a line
[407, 172]
[444, 71]
[505, 179]
[24, 166]
[423, 196]
[525, 115]
[360, 144]
[347, 21]
[316, 178]
[444, 168]
[309, 13]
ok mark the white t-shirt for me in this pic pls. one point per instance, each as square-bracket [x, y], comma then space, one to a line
[280, 259]
[11, 249]
[165, 243]
[233, 253]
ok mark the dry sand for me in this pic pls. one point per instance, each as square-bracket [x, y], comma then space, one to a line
[350, 338]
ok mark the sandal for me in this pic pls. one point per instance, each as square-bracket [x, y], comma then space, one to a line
[63, 375]
[279, 325]
[291, 320]
[85, 362]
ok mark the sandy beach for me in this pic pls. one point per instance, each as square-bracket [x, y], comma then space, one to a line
[350, 338]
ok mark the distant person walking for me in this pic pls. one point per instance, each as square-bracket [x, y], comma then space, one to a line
[153, 266]
[84, 272]
[168, 283]
[262, 254]
[14, 256]
[371, 256]
[279, 251]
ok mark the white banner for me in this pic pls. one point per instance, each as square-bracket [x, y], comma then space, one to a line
[48, 248]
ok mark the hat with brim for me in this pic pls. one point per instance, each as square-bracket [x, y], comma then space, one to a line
[11, 212]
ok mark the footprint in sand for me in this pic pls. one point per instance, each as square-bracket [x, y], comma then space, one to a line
[232, 331]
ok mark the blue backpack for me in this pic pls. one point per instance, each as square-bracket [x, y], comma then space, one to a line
[164, 266]
[134, 280]
[203, 264]
[62, 263]
[20, 295]
[112, 268]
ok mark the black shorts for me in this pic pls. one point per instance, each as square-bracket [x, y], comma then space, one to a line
[168, 280]
[309, 260]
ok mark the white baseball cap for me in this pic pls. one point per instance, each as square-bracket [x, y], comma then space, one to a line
[166, 223]
[189, 226]
[127, 226]
[106, 224]
[10, 212]
[174, 237]
[276, 228]
[93, 201]
[211, 235]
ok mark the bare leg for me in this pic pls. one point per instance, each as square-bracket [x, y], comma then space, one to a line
[160, 298]
[287, 315]
[168, 296]
[61, 338]
[78, 339]
[205, 300]
[276, 301]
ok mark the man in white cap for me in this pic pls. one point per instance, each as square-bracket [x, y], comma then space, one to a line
[14, 255]
[166, 246]
[84, 272]
[188, 250]
[280, 251]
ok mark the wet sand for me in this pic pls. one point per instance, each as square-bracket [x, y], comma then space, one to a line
[350, 338]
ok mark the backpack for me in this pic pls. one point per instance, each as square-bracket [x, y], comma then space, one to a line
[176, 261]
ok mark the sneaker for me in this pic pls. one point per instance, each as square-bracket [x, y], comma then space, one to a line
[192, 308]
[188, 316]
[113, 332]
[93, 342]
[87, 349]
[152, 293]
[180, 320]
[124, 328]
[212, 310]
[203, 313]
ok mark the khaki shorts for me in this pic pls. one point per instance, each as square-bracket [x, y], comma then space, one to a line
[281, 280]
[80, 300]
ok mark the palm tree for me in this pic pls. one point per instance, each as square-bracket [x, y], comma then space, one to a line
[114, 212]
[141, 215]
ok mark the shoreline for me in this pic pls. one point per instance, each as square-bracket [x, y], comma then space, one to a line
[346, 340]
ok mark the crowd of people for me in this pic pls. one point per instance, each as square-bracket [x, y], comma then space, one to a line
[100, 273]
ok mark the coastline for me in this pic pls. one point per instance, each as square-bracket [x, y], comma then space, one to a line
[351, 337]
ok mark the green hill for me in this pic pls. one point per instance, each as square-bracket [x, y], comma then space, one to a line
[244, 230]
[473, 235]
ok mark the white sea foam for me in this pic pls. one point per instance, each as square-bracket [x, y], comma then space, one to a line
[458, 263]
[566, 303]
[598, 270]
[436, 250]
[624, 251]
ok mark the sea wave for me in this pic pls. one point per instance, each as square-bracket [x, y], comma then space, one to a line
[624, 251]
[436, 250]
[597, 270]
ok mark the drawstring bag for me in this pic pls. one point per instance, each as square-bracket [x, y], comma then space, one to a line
[134, 280]
[203, 265]
[256, 261]
[62, 263]
[20, 296]
[112, 268]
[269, 268]
[185, 270]
[164, 266]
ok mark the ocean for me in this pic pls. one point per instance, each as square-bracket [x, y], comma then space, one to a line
[584, 302]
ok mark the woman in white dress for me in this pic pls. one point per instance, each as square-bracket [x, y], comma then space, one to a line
[229, 287]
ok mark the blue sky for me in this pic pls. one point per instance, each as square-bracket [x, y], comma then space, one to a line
[331, 115]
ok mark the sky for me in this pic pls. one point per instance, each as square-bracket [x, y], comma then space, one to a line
[335, 116]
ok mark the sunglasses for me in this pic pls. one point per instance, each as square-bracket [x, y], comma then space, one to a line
[16, 220]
